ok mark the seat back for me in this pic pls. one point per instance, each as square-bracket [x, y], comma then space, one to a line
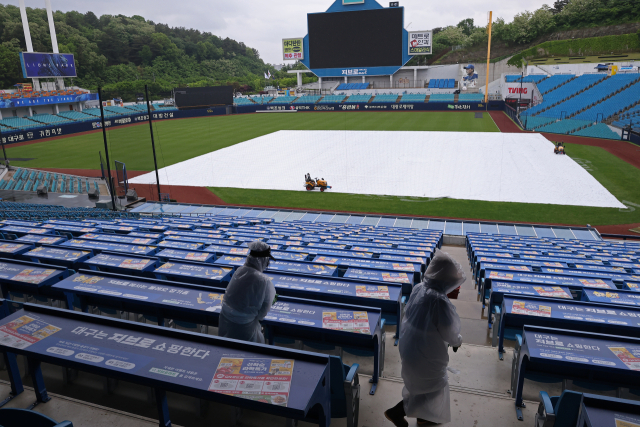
[12, 417]
[568, 408]
[336, 382]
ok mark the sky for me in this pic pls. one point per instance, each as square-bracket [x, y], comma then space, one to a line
[263, 24]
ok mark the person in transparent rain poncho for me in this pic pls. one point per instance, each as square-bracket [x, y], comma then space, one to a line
[429, 327]
[248, 298]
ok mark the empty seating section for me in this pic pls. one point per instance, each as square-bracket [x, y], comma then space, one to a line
[413, 97]
[283, 100]
[96, 112]
[565, 91]
[117, 110]
[442, 97]
[49, 119]
[29, 180]
[471, 97]
[140, 108]
[553, 82]
[77, 116]
[308, 99]
[633, 121]
[38, 212]
[512, 78]
[243, 101]
[92, 112]
[332, 99]
[261, 99]
[359, 98]
[19, 123]
[353, 86]
[612, 106]
[535, 122]
[164, 107]
[564, 126]
[534, 78]
[599, 130]
[385, 98]
[442, 84]
[594, 94]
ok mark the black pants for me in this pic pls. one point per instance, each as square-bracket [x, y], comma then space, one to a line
[400, 408]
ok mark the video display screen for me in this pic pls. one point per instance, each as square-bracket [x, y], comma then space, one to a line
[41, 65]
[364, 38]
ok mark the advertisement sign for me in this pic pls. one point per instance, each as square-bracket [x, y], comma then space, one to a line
[25, 331]
[420, 42]
[293, 49]
[39, 65]
[264, 380]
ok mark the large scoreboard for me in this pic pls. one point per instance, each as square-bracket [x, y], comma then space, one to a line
[365, 38]
[353, 38]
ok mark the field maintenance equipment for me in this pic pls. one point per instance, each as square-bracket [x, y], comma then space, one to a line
[559, 148]
[311, 184]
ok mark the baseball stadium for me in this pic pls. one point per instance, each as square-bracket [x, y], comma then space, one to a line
[444, 218]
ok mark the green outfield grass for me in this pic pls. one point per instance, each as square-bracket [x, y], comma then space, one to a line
[180, 140]
[619, 177]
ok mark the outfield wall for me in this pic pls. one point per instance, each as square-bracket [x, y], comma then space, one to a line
[92, 125]
[431, 106]
[68, 129]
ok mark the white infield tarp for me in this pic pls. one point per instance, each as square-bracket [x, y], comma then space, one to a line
[499, 167]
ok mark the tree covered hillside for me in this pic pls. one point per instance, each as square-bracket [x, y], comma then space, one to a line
[529, 26]
[123, 53]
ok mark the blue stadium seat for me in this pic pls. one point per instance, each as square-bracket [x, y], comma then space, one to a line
[358, 99]
[442, 97]
[243, 101]
[564, 126]
[599, 130]
[553, 82]
[13, 417]
[308, 99]
[619, 101]
[413, 98]
[535, 122]
[385, 98]
[332, 99]
[283, 100]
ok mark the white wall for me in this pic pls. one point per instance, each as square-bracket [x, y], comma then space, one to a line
[577, 69]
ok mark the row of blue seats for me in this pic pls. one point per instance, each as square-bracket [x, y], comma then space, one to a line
[281, 230]
[353, 86]
[517, 265]
[442, 84]
[553, 82]
[565, 91]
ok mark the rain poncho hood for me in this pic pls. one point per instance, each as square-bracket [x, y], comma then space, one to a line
[429, 326]
[248, 298]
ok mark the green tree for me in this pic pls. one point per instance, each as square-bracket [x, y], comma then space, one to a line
[467, 26]
[10, 71]
[146, 55]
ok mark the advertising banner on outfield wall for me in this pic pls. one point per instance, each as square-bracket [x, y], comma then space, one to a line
[54, 131]
[92, 125]
[432, 106]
